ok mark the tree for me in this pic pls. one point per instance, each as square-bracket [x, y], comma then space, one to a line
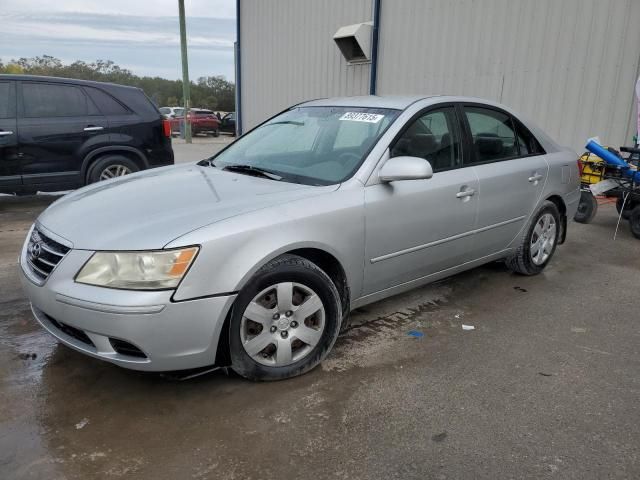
[213, 92]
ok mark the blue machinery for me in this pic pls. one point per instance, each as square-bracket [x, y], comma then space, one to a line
[615, 161]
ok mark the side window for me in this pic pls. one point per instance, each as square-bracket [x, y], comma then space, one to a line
[435, 136]
[526, 141]
[492, 134]
[50, 100]
[7, 100]
[106, 103]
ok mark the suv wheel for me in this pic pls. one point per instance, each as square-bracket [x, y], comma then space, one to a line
[539, 242]
[285, 321]
[110, 166]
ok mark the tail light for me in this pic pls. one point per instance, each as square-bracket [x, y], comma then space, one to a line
[580, 166]
[166, 128]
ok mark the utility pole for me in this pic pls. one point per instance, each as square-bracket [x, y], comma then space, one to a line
[185, 73]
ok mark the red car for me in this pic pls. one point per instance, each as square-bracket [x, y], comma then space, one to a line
[202, 121]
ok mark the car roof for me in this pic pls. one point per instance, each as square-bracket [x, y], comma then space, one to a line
[42, 78]
[398, 102]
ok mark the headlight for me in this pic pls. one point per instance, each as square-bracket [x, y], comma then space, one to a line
[137, 270]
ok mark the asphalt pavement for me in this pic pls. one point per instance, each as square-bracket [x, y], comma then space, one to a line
[545, 386]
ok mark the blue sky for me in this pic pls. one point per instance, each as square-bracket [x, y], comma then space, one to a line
[141, 35]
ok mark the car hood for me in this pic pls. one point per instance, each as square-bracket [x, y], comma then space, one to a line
[147, 210]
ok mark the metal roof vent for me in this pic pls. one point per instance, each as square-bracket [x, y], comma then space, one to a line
[354, 41]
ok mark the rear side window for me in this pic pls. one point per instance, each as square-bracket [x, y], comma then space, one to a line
[7, 100]
[527, 143]
[106, 103]
[51, 100]
[492, 134]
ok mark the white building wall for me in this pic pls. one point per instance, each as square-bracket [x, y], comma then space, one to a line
[569, 65]
[288, 54]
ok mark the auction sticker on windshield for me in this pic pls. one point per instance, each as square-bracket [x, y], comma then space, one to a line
[362, 117]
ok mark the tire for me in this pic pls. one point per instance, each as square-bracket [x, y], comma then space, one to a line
[628, 208]
[116, 165]
[587, 208]
[529, 261]
[269, 287]
[634, 221]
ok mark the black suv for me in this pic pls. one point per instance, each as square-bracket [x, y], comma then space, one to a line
[59, 134]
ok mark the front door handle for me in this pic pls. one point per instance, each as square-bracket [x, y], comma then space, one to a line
[93, 128]
[5, 133]
[466, 193]
[535, 178]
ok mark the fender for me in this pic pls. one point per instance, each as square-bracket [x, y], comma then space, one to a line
[111, 148]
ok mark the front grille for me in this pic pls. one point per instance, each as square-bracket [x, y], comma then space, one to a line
[71, 331]
[43, 254]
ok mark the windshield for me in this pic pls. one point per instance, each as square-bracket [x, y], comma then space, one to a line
[311, 145]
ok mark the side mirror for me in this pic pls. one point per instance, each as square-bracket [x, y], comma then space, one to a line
[405, 168]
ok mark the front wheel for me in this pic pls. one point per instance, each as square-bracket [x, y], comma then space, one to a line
[284, 321]
[539, 242]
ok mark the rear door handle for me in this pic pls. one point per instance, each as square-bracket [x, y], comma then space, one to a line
[535, 178]
[92, 128]
[4, 133]
[466, 193]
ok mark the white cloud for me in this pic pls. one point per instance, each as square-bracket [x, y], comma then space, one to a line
[158, 8]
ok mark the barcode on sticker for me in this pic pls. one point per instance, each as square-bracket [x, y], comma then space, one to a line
[362, 117]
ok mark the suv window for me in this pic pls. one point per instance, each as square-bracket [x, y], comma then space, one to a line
[51, 100]
[434, 136]
[106, 103]
[7, 100]
[527, 143]
[492, 134]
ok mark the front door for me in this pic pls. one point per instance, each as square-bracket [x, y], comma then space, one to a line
[416, 228]
[10, 181]
[511, 170]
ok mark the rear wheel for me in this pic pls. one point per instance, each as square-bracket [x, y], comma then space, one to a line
[587, 208]
[539, 242]
[110, 166]
[628, 207]
[634, 221]
[285, 321]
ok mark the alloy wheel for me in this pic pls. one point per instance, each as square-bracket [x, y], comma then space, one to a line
[543, 239]
[282, 324]
[112, 171]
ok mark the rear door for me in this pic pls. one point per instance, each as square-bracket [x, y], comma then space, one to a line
[511, 175]
[10, 180]
[53, 126]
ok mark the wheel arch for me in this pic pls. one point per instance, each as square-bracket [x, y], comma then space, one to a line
[130, 152]
[558, 201]
[321, 256]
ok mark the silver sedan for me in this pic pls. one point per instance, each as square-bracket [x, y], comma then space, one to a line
[255, 257]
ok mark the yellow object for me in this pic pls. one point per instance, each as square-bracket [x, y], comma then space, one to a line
[592, 168]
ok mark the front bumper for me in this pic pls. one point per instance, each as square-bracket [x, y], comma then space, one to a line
[133, 329]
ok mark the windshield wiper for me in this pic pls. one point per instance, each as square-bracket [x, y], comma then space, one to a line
[257, 171]
[286, 122]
